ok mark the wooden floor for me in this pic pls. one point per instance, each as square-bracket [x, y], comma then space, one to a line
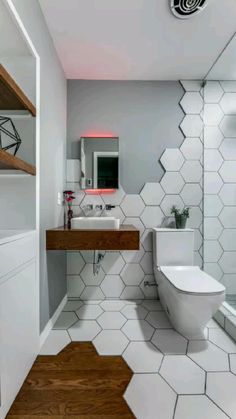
[75, 384]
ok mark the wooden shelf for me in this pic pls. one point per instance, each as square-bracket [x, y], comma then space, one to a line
[12, 98]
[125, 238]
[10, 162]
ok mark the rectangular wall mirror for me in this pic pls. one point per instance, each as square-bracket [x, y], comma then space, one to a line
[99, 162]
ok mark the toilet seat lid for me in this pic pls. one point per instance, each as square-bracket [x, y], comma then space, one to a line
[192, 280]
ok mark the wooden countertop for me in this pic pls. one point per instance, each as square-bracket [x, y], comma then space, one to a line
[127, 237]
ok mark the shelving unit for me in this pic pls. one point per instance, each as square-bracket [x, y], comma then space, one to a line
[12, 98]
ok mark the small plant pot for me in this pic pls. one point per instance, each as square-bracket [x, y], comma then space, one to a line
[180, 221]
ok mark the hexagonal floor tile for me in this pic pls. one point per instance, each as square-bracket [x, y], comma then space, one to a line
[113, 263]
[221, 339]
[143, 357]
[172, 159]
[112, 305]
[152, 305]
[195, 407]
[192, 102]
[132, 205]
[148, 394]
[172, 182]
[152, 193]
[208, 356]
[183, 375]
[134, 312]
[89, 312]
[73, 305]
[65, 320]
[92, 293]
[55, 342]
[138, 330]
[84, 330]
[159, 320]
[152, 217]
[112, 286]
[221, 389]
[192, 126]
[132, 293]
[170, 342]
[110, 342]
[111, 320]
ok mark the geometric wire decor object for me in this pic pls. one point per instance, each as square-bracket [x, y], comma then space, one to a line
[184, 9]
[9, 137]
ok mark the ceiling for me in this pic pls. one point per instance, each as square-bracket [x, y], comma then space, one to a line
[137, 39]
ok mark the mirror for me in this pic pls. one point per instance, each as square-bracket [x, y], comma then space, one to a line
[99, 162]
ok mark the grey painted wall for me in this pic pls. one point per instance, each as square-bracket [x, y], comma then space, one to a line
[144, 115]
[52, 152]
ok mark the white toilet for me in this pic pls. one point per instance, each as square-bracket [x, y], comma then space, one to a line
[189, 296]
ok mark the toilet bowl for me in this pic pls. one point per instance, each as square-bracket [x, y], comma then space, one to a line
[189, 296]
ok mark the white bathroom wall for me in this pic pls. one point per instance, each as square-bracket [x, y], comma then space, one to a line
[123, 273]
[220, 182]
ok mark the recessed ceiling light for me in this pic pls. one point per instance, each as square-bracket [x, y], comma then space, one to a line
[184, 9]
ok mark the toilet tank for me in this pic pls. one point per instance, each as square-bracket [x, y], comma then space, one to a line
[172, 247]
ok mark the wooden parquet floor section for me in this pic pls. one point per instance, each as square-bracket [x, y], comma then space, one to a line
[75, 384]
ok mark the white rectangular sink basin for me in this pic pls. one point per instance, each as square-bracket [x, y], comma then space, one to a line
[95, 223]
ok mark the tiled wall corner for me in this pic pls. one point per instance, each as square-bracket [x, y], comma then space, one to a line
[123, 274]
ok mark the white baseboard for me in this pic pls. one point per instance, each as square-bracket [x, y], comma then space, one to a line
[51, 322]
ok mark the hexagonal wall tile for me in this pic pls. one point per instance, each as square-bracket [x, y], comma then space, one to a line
[147, 263]
[117, 213]
[195, 218]
[191, 194]
[111, 320]
[187, 378]
[170, 342]
[132, 274]
[212, 183]
[213, 205]
[143, 357]
[136, 222]
[89, 312]
[192, 148]
[228, 194]
[212, 114]
[111, 342]
[114, 198]
[88, 276]
[75, 286]
[192, 85]
[228, 171]
[168, 203]
[228, 239]
[212, 160]
[133, 256]
[138, 330]
[75, 263]
[149, 291]
[112, 286]
[192, 126]
[172, 159]
[208, 356]
[132, 205]
[113, 263]
[192, 103]
[214, 270]
[228, 103]
[228, 149]
[228, 126]
[192, 171]
[228, 262]
[84, 330]
[212, 251]
[213, 92]
[152, 216]
[172, 182]
[228, 86]
[212, 137]
[221, 389]
[148, 394]
[91, 200]
[228, 217]
[193, 407]
[212, 228]
[152, 193]
[146, 239]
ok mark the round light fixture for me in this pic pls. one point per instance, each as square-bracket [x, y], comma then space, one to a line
[184, 9]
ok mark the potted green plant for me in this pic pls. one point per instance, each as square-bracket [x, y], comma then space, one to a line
[180, 216]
